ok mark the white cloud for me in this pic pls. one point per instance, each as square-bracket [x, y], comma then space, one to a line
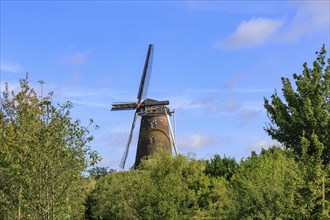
[10, 67]
[252, 106]
[86, 96]
[75, 59]
[198, 141]
[183, 103]
[252, 90]
[254, 32]
[212, 104]
[232, 82]
[249, 116]
[263, 144]
[90, 103]
[218, 104]
[310, 17]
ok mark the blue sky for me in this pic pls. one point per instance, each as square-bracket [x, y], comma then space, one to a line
[214, 61]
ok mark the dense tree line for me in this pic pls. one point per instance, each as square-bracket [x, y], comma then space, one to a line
[44, 153]
[269, 185]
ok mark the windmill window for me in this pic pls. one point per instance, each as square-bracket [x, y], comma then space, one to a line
[153, 124]
[152, 140]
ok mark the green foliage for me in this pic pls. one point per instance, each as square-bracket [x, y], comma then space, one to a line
[162, 188]
[266, 186]
[76, 198]
[43, 152]
[306, 111]
[313, 176]
[218, 166]
[271, 185]
[97, 172]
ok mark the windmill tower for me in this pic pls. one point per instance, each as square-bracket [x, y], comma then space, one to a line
[155, 128]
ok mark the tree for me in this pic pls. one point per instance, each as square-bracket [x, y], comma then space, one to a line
[266, 186]
[42, 154]
[218, 166]
[313, 201]
[97, 172]
[162, 187]
[189, 193]
[306, 111]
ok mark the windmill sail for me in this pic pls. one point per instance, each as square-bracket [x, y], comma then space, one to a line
[123, 106]
[145, 79]
[124, 158]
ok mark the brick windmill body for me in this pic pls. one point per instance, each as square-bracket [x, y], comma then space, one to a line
[156, 132]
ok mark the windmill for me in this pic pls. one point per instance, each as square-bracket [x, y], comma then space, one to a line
[155, 128]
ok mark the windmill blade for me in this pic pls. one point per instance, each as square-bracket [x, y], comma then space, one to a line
[123, 159]
[145, 79]
[123, 106]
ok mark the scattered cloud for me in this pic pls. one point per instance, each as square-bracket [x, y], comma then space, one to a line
[230, 86]
[90, 103]
[10, 67]
[198, 141]
[252, 90]
[183, 103]
[216, 105]
[85, 96]
[75, 59]
[263, 144]
[254, 32]
[232, 82]
[75, 78]
[249, 116]
[310, 17]
[219, 102]
[252, 106]
[209, 104]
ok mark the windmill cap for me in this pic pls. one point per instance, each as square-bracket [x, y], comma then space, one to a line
[153, 102]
